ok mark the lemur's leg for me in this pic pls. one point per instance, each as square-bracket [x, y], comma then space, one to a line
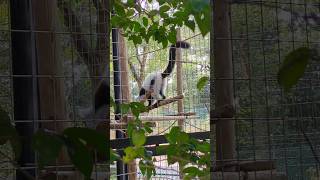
[152, 84]
[150, 100]
[162, 95]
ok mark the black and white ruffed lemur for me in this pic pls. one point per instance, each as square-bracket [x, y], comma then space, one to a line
[157, 81]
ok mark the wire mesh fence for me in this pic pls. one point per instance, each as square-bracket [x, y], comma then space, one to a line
[67, 55]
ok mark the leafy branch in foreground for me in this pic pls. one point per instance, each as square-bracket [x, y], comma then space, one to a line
[159, 20]
[192, 155]
[81, 143]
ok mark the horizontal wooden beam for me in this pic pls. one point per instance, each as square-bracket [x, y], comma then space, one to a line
[259, 175]
[247, 166]
[155, 140]
[160, 118]
[165, 102]
[124, 125]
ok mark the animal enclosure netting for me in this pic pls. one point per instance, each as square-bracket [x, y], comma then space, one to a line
[269, 123]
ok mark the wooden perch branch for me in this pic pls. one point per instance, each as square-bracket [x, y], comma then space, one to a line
[124, 125]
[161, 118]
[165, 102]
[134, 73]
[184, 114]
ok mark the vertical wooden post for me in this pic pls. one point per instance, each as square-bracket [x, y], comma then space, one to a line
[223, 79]
[25, 89]
[179, 86]
[125, 90]
[179, 79]
[52, 98]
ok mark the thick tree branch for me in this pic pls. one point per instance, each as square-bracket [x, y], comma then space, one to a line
[137, 54]
[102, 30]
[134, 73]
[143, 62]
[71, 21]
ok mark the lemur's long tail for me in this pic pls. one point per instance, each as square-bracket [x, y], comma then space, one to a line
[172, 57]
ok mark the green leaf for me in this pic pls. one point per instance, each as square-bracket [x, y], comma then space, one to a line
[161, 149]
[6, 128]
[138, 137]
[193, 171]
[130, 3]
[48, 146]
[142, 167]
[140, 151]
[147, 127]
[130, 12]
[172, 36]
[130, 154]
[198, 6]
[113, 156]
[164, 43]
[153, 13]
[124, 108]
[137, 39]
[92, 138]
[161, 2]
[80, 156]
[131, 126]
[203, 147]
[182, 138]
[173, 134]
[172, 152]
[150, 169]
[112, 103]
[190, 24]
[203, 27]
[145, 21]
[293, 67]
[164, 8]
[202, 82]
[119, 8]
[137, 108]
[9, 133]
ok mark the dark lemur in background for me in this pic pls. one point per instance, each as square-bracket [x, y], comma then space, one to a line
[101, 104]
[157, 81]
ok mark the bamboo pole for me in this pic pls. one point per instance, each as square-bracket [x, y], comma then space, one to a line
[125, 90]
[179, 79]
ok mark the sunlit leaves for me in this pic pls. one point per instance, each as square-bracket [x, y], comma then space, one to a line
[160, 23]
[113, 155]
[147, 168]
[130, 154]
[202, 82]
[185, 150]
[138, 137]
